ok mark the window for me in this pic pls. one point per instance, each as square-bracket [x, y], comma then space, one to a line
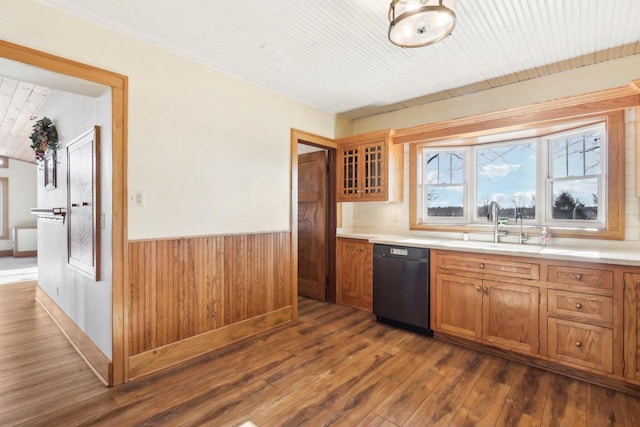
[444, 189]
[506, 174]
[576, 175]
[556, 178]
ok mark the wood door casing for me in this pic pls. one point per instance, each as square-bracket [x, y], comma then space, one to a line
[312, 220]
[510, 316]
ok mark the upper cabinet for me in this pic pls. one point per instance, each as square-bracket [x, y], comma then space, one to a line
[370, 168]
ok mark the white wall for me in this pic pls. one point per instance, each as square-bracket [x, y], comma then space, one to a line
[86, 301]
[22, 196]
[210, 152]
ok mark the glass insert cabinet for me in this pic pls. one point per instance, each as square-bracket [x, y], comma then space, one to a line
[369, 168]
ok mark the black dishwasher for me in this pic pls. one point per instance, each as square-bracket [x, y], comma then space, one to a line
[401, 286]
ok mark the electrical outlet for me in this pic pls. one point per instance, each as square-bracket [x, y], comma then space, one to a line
[136, 198]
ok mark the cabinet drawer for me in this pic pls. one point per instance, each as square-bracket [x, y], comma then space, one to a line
[580, 306]
[585, 345]
[580, 276]
[513, 269]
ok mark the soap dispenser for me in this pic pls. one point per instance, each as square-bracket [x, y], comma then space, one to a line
[544, 237]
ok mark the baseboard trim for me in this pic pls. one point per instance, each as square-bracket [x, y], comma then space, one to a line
[181, 351]
[6, 253]
[88, 350]
[24, 254]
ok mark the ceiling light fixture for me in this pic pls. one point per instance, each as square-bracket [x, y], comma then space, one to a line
[415, 23]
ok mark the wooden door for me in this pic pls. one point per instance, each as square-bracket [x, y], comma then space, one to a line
[312, 220]
[510, 316]
[458, 305]
[631, 329]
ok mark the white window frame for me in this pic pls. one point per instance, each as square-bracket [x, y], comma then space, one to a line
[543, 184]
[600, 222]
[422, 184]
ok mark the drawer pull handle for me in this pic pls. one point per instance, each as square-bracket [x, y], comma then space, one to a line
[578, 344]
[481, 265]
[578, 305]
[478, 288]
[578, 276]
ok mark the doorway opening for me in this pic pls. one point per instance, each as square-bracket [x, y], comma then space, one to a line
[112, 371]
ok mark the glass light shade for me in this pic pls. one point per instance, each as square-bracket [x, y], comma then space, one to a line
[414, 23]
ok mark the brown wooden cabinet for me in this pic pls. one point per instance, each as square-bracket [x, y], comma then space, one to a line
[354, 270]
[575, 317]
[502, 314]
[370, 168]
[580, 316]
[631, 325]
[581, 344]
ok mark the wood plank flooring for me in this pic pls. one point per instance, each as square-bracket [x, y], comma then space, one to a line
[334, 366]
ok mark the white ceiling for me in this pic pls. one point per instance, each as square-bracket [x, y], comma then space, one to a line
[335, 55]
[23, 89]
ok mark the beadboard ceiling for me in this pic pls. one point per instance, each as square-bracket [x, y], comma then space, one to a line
[23, 89]
[335, 55]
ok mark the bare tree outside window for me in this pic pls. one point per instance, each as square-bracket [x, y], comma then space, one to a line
[576, 171]
[444, 184]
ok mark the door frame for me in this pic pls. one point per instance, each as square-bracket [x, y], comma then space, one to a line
[119, 243]
[301, 137]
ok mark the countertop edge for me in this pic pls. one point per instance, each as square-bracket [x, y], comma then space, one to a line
[613, 257]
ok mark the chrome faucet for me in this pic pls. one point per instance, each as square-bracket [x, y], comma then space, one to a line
[523, 236]
[492, 215]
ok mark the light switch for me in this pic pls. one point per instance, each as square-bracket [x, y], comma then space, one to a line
[136, 198]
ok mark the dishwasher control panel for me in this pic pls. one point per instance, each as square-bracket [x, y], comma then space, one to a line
[399, 251]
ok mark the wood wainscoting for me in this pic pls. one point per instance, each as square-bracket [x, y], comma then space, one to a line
[189, 296]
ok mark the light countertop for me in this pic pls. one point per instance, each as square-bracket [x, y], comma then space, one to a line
[605, 256]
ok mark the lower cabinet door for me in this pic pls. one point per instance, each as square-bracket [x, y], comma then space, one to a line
[510, 316]
[581, 344]
[459, 305]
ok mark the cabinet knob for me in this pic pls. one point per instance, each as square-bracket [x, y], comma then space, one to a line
[578, 344]
[478, 288]
[578, 276]
[482, 265]
[486, 290]
[578, 305]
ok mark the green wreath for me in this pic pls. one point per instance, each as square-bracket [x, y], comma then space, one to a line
[44, 137]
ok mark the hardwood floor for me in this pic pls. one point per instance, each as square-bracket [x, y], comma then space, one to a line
[334, 366]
